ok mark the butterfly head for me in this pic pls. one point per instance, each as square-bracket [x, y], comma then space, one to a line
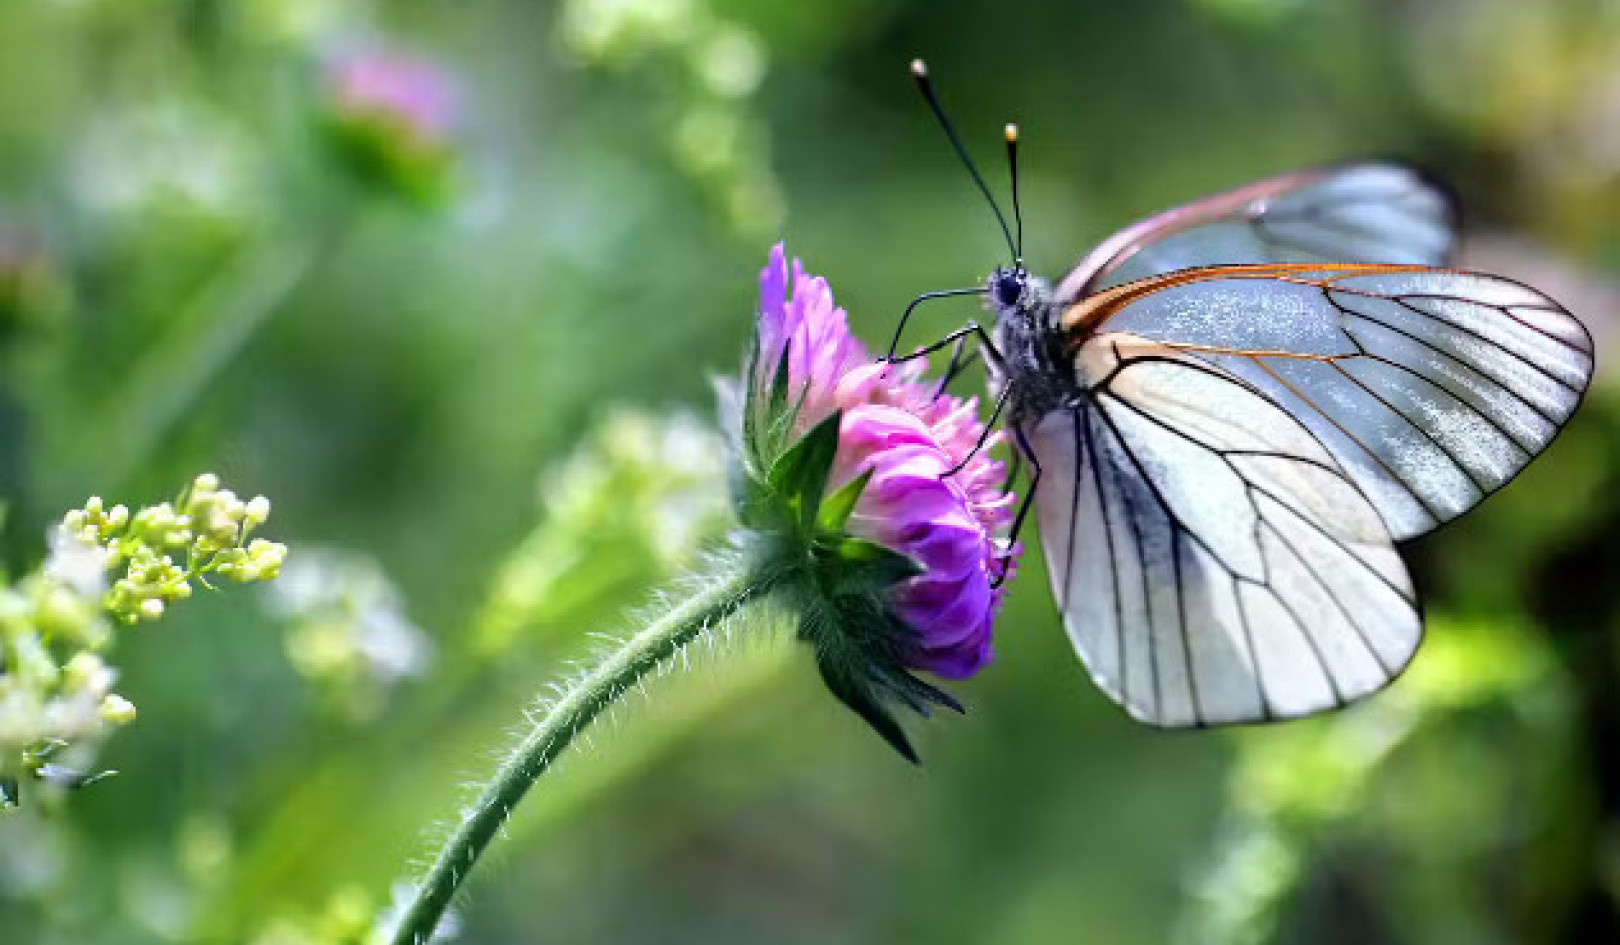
[1013, 293]
[1007, 286]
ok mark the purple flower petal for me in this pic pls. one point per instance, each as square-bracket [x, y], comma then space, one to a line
[895, 427]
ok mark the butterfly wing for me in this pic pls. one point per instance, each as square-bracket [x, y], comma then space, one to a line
[1431, 388]
[1369, 212]
[1212, 562]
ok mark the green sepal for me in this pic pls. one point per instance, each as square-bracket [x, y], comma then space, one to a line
[859, 643]
[852, 565]
[799, 476]
[861, 698]
[842, 591]
[860, 663]
[836, 509]
[780, 381]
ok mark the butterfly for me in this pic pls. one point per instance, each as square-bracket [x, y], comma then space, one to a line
[1233, 411]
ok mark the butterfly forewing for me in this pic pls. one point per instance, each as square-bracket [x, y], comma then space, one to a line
[1431, 387]
[1369, 212]
[1212, 562]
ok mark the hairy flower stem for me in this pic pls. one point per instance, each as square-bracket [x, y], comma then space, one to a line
[579, 705]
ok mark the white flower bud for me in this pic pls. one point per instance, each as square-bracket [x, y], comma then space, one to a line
[207, 482]
[151, 608]
[117, 710]
[257, 510]
[86, 671]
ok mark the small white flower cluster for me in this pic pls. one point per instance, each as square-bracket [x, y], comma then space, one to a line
[56, 698]
[208, 526]
[347, 628]
[637, 501]
[662, 470]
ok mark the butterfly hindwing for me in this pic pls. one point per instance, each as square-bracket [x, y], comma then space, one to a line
[1212, 562]
[1431, 387]
[1364, 212]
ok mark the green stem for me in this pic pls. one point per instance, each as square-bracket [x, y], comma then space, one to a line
[564, 720]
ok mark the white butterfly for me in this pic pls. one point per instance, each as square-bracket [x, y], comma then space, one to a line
[1234, 409]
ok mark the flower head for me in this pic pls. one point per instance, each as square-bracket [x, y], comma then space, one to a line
[394, 116]
[413, 94]
[889, 468]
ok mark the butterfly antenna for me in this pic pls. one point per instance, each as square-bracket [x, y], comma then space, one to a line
[1011, 133]
[919, 71]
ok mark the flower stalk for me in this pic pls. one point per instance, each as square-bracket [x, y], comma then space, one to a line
[729, 588]
[866, 509]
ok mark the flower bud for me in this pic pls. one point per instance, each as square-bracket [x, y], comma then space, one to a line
[117, 710]
[391, 117]
[257, 511]
[86, 671]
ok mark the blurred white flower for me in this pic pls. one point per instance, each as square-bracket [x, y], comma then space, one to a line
[714, 129]
[77, 563]
[168, 154]
[643, 488]
[661, 469]
[731, 62]
[347, 626]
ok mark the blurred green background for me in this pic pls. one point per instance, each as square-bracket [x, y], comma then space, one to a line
[467, 350]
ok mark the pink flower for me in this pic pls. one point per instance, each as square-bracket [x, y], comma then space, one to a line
[895, 427]
[412, 95]
[811, 330]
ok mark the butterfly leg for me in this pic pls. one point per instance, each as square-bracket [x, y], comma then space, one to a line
[1014, 470]
[991, 352]
[984, 437]
[959, 363]
[1023, 507]
[925, 297]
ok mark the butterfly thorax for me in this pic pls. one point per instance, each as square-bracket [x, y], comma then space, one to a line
[1034, 360]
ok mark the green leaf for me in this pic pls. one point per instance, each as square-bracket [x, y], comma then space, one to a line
[835, 511]
[799, 475]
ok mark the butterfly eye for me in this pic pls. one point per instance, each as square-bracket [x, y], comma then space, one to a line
[1009, 289]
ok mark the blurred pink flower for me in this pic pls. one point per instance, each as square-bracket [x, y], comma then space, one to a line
[393, 118]
[415, 95]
